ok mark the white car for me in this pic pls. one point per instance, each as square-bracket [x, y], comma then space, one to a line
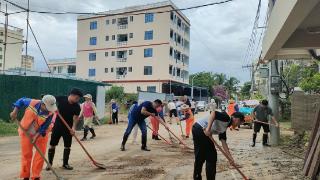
[202, 106]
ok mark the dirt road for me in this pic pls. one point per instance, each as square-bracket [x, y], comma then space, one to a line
[163, 162]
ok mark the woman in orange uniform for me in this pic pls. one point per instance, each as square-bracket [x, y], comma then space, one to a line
[188, 116]
[155, 123]
[36, 121]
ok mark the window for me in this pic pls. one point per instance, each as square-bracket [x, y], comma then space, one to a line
[130, 52]
[147, 70]
[178, 72]
[0, 48]
[111, 69]
[138, 88]
[106, 70]
[1, 33]
[54, 68]
[0, 56]
[148, 52]
[114, 21]
[71, 69]
[171, 15]
[92, 56]
[131, 18]
[151, 88]
[113, 37]
[92, 72]
[148, 17]
[174, 71]
[170, 69]
[112, 53]
[93, 25]
[130, 69]
[107, 21]
[179, 22]
[148, 35]
[107, 38]
[171, 51]
[0, 64]
[106, 54]
[93, 40]
[171, 34]
[60, 69]
[131, 35]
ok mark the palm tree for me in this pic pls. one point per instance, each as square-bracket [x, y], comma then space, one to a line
[220, 79]
[231, 84]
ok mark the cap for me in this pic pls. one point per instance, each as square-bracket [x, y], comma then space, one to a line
[50, 102]
[88, 96]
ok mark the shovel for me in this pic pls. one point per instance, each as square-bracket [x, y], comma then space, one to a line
[95, 163]
[180, 140]
[38, 150]
[160, 136]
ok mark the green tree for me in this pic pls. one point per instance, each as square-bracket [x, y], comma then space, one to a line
[245, 90]
[219, 79]
[311, 84]
[115, 92]
[231, 84]
[203, 79]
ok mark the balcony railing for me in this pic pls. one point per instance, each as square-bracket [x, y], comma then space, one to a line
[122, 26]
[120, 76]
[122, 43]
[121, 59]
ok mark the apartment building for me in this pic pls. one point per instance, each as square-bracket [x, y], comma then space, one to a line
[27, 62]
[13, 47]
[135, 47]
[64, 66]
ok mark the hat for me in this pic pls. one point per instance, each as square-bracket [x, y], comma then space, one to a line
[184, 107]
[50, 102]
[88, 96]
[113, 101]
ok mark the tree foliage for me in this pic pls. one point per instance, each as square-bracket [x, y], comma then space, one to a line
[115, 92]
[311, 84]
[245, 90]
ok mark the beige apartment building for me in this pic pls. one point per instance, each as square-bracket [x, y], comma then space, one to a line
[27, 62]
[13, 48]
[135, 47]
[64, 66]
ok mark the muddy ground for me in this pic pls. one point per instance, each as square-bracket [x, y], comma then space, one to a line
[163, 162]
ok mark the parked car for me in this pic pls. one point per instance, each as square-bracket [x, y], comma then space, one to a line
[202, 106]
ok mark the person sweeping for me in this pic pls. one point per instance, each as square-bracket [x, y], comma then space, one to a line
[36, 121]
[69, 109]
[155, 123]
[89, 112]
[188, 117]
[204, 149]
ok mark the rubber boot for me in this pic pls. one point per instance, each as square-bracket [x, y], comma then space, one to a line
[124, 140]
[254, 137]
[51, 153]
[85, 133]
[156, 137]
[66, 154]
[265, 140]
[93, 133]
[144, 144]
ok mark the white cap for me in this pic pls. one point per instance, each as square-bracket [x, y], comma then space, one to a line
[88, 96]
[50, 102]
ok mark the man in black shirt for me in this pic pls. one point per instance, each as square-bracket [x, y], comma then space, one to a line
[69, 108]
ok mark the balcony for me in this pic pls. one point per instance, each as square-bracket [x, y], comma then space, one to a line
[122, 56]
[121, 72]
[122, 39]
[123, 23]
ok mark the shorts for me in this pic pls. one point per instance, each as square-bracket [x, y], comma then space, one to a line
[173, 112]
[87, 122]
[57, 134]
[257, 127]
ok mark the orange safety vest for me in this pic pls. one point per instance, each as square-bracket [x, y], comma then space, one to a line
[231, 109]
[31, 120]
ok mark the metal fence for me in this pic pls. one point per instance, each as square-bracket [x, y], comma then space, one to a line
[13, 87]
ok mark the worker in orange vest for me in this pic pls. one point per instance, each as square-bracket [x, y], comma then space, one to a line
[232, 108]
[155, 123]
[188, 116]
[37, 119]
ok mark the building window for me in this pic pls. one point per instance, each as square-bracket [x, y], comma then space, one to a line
[131, 18]
[71, 69]
[148, 52]
[93, 40]
[93, 25]
[92, 56]
[111, 70]
[147, 70]
[148, 17]
[178, 72]
[131, 35]
[60, 69]
[130, 69]
[106, 54]
[112, 53]
[0, 56]
[92, 72]
[0, 48]
[130, 52]
[107, 21]
[54, 68]
[106, 70]
[151, 88]
[114, 21]
[148, 35]
[113, 37]
[171, 51]
[107, 38]
[170, 69]
[179, 22]
[171, 15]
[1, 33]
[171, 34]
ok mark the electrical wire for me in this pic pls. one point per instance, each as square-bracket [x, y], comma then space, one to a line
[124, 13]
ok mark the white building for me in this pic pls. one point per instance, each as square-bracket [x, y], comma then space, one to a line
[66, 66]
[139, 49]
[27, 62]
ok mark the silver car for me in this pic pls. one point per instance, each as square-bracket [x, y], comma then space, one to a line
[202, 106]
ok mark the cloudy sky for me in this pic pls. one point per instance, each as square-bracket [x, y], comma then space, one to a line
[219, 34]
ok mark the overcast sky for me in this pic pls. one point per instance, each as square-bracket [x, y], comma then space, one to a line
[219, 34]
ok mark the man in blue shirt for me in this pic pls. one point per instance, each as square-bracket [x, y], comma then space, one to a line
[137, 116]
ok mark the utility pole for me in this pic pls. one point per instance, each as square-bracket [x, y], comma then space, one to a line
[251, 67]
[273, 96]
[5, 38]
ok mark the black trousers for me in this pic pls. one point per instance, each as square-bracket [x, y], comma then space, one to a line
[204, 151]
[115, 117]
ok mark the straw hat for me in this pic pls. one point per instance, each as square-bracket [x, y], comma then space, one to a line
[88, 96]
[184, 107]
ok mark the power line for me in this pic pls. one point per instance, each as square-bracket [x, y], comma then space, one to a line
[124, 13]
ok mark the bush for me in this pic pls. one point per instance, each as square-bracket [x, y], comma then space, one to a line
[115, 92]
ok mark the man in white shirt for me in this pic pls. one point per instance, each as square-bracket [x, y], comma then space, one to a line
[172, 110]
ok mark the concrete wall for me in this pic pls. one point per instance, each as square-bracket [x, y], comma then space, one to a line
[303, 110]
